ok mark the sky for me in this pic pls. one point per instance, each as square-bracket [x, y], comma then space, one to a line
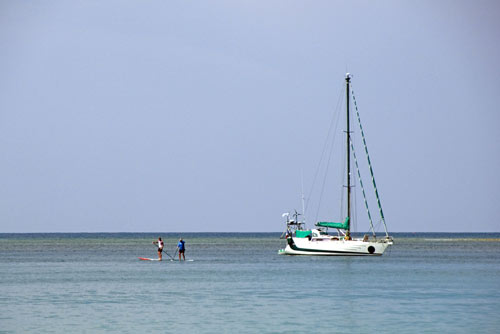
[211, 116]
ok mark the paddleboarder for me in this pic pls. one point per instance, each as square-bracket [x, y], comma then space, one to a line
[160, 247]
[181, 248]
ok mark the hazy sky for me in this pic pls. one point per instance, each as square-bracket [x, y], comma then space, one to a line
[202, 115]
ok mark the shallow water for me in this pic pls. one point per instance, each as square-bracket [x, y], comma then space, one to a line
[54, 283]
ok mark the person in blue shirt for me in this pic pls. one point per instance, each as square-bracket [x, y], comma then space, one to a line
[182, 249]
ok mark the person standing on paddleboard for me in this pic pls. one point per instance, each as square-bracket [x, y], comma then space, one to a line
[160, 247]
[181, 248]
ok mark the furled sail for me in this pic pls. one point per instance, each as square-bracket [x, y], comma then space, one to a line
[344, 225]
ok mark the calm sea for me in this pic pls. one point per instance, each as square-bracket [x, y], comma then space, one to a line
[237, 283]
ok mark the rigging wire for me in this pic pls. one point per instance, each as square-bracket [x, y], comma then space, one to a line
[343, 181]
[362, 188]
[369, 162]
[324, 180]
[335, 118]
[354, 211]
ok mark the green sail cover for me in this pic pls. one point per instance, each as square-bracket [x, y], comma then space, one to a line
[302, 234]
[344, 225]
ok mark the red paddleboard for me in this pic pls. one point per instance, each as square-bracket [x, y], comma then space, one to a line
[148, 259]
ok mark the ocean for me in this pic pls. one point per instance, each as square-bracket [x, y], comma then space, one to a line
[237, 283]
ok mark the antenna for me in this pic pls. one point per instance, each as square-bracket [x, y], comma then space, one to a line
[303, 198]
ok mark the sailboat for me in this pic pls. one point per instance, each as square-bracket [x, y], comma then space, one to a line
[317, 241]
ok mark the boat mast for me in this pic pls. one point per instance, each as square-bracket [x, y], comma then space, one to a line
[348, 132]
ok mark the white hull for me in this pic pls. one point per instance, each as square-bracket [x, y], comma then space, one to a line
[304, 246]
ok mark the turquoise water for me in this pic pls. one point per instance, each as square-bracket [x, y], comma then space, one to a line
[86, 283]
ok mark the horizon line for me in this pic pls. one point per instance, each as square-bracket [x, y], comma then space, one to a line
[165, 232]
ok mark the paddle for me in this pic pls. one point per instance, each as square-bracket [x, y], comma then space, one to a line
[171, 258]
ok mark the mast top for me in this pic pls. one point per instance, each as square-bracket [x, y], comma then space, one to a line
[348, 76]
